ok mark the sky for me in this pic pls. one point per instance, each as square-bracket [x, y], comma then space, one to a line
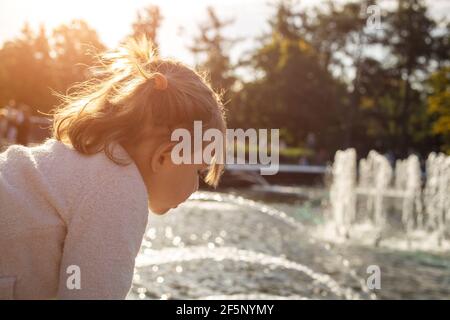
[112, 19]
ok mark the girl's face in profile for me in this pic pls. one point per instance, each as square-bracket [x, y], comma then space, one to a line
[172, 184]
[168, 184]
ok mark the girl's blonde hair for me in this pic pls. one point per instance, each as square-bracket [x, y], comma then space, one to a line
[133, 92]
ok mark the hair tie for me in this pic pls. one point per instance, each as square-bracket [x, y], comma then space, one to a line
[161, 82]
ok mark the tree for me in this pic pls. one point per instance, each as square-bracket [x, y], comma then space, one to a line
[408, 35]
[47, 76]
[21, 60]
[386, 107]
[295, 91]
[34, 63]
[337, 32]
[75, 46]
[439, 105]
[211, 48]
[147, 24]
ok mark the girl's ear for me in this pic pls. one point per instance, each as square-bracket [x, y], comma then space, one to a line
[162, 156]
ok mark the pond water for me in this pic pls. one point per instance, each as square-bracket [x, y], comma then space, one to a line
[256, 244]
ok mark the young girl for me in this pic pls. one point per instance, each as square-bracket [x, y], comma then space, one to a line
[73, 210]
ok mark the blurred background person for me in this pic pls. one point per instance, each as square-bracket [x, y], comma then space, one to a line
[23, 124]
[11, 120]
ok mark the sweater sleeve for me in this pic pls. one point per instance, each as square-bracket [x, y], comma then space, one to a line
[102, 241]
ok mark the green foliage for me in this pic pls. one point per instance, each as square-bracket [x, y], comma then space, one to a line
[34, 64]
[313, 72]
[439, 105]
[304, 85]
[211, 47]
[295, 91]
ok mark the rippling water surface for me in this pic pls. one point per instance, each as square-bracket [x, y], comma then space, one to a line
[248, 245]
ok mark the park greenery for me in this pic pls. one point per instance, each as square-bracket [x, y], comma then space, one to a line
[320, 71]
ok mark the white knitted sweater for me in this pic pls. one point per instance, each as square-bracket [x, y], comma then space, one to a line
[71, 225]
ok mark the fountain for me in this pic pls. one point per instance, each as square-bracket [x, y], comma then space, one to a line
[252, 250]
[238, 245]
[383, 196]
[342, 195]
[436, 195]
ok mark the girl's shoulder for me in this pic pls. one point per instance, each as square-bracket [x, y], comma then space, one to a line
[92, 169]
[69, 176]
[53, 150]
